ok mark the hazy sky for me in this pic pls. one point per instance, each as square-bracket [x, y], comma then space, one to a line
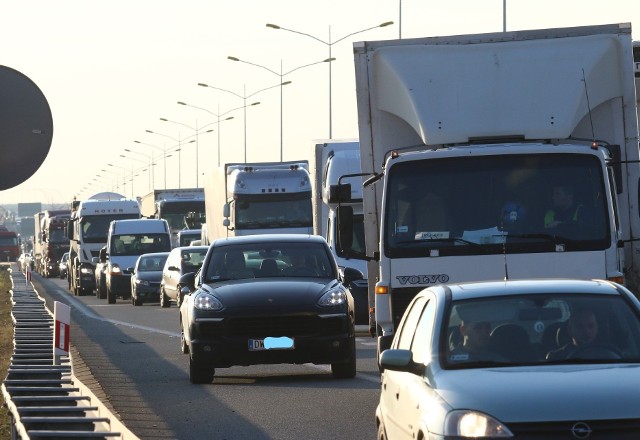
[111, 70]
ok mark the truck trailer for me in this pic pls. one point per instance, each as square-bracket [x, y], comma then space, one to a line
[258, 198]
[467, 139]
[53, 241]
[87, 231]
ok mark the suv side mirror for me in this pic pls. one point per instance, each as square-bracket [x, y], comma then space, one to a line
[188, 281]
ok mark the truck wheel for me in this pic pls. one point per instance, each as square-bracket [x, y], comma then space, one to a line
[111, 296]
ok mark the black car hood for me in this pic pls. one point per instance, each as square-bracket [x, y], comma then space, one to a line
[270, 291]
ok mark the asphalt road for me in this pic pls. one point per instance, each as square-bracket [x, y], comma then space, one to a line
[131, 357]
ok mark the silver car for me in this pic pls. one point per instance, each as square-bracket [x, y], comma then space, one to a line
[181, 260]
[515, 359]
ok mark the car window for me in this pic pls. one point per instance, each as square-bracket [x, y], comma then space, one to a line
[410, 322]
[424, 331]
[534, 329]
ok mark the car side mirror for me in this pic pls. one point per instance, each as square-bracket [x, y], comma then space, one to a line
[350, 274]
[94, 260]
[131, 269]
[173, 268]
[400, 360]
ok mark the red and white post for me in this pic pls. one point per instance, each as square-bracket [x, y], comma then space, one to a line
[62, 317]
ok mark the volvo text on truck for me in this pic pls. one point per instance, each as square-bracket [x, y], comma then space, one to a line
[87, 232]
[258, 198]
[492, 156]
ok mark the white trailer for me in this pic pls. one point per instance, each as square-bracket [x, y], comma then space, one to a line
[258, 198]
[87, 230]
[338, 161]
[465, 138]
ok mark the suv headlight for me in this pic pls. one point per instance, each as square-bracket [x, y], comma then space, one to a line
[85, 270]
[115, 270]
[465, 423]
[142, 282]
[335, 297]
[204, 301]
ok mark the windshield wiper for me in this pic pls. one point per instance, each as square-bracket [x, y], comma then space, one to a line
[556, 239]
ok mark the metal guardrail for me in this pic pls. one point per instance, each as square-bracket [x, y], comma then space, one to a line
[45, 400]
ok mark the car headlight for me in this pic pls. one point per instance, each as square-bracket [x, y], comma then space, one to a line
[115, 270]
[465, 423]
[85, 270]
[333, 298]
[204, 301]
[142, 282]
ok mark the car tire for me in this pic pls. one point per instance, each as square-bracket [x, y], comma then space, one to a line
[382, 434]
[183, 342]
[111, 296]
[346, 370]
[179, 296]
[103, 288]
[198, 373]
[164, 299]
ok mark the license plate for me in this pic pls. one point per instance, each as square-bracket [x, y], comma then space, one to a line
[281, 343]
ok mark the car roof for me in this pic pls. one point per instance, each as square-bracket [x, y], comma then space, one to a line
[461, 291]
[269, 238]
[154, 254]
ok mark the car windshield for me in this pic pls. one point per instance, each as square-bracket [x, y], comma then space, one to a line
[269, 260]
[540, 329]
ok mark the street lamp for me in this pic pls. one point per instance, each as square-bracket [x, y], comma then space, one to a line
[141, 169]
[329, 43]
[281, 75]
[244, 97]
[218, 122]
[152, 164]
[164, 156]
[124, 179]
[196, 131]
[117, 185]
[178, 149]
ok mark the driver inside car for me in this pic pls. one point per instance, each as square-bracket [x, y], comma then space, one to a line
[583, 329]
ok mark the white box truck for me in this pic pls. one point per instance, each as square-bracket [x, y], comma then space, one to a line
[183, 208]
[258, 198]
[127, 240]
[87, 230]
[338, 161]
[475, 144]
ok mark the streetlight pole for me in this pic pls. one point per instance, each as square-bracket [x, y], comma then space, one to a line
[330, 44]
[164, 157]
[152, 176]
[124, 179]
[179, 141]
[139, 160]
[117, 185]
[281, 75]
[244, 97]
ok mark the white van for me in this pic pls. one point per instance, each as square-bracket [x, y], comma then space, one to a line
[127, 240]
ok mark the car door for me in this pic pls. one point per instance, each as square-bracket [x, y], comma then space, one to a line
[166, 273]
[395, 384]
[173, 270]
[414, 391]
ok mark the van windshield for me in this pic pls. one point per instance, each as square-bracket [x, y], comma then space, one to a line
[138, 244]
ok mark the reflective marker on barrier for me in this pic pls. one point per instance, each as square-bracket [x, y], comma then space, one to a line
[62, 317]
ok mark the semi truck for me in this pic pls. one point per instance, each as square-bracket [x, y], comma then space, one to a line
[333, 162]
[258, 198]
[466, 140]
[52, 241]
[182, 208]
[87, 231]
[9, 245]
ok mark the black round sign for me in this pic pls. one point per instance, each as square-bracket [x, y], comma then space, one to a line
[26, 128]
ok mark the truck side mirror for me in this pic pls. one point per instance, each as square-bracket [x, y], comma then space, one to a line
[226, 210]
[340, 193]
[344, 216]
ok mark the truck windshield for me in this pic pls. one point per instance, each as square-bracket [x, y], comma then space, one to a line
[489, 204]
[8, 241]
[95, 228]
[273, 212]
[177, 214]
[58, 236]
